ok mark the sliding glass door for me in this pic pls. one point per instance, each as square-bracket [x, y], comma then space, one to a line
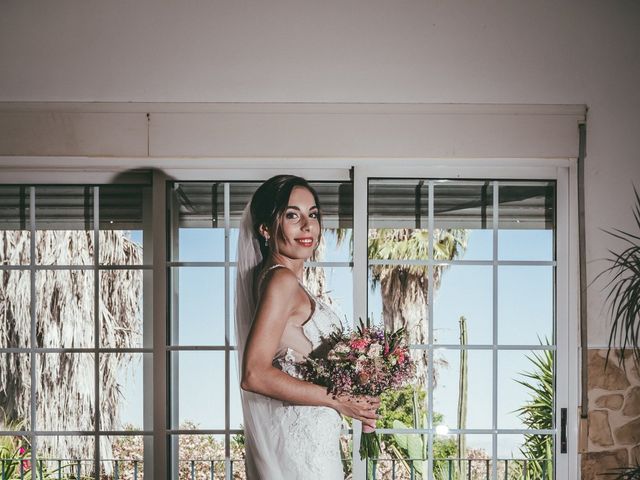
[468, 267]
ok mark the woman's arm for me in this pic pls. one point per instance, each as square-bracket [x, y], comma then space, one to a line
[281, 300]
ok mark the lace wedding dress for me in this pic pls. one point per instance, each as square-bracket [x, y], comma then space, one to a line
[305, 440]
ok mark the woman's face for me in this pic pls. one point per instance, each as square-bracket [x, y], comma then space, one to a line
[300, 226]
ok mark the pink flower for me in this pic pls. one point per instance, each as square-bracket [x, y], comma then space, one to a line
[400, 355]
[359, 344]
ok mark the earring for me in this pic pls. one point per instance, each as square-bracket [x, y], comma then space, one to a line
[266, 241]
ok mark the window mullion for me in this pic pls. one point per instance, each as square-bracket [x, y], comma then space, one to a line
[360, 283]
[159, 248]
[32, 281]
[430, 283]
[494, 413]
[96, 328]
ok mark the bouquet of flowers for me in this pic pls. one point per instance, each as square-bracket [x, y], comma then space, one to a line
[367, 361]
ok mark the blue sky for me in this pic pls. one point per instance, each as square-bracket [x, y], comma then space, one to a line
[525, 301]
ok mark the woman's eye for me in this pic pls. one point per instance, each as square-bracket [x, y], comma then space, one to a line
[313, 215]
[291, 215]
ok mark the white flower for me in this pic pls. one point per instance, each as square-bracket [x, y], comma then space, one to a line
[375, 350]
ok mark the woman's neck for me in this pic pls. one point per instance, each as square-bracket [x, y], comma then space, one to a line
[296, 265]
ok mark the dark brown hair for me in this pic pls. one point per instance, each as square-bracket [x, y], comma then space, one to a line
[269, 203]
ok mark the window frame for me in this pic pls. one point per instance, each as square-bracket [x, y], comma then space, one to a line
[69, 170]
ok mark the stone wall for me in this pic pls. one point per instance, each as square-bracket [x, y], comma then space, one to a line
[614, 415]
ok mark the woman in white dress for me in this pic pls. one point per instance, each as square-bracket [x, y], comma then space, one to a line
[292, 427]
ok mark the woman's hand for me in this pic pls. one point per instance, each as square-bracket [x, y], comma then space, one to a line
[360, 407]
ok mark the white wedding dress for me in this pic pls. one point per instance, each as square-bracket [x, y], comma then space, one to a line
[304, 440]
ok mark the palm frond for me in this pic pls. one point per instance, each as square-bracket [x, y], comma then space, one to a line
[623, 296]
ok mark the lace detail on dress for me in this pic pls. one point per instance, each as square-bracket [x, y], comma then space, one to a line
[287, 363]
[312, 448]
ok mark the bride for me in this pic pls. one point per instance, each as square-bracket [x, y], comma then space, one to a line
[292, 427]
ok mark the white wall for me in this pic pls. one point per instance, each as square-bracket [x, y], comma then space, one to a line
[441, 51]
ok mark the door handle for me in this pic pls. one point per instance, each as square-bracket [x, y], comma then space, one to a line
[563, 430]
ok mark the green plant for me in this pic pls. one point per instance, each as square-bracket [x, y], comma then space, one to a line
[15, 458]
[537, 413]
[629, 473]
[624, 295]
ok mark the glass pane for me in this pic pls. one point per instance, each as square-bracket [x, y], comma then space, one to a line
[120, 247]
[334, 285]
[200, 456]
[464, 456]
[234, 235]
[64, 308]
[15, 309]
[526, 389]
[403, 407]
[235, 408]
[464, 296]
[121, 305]
[15, 457]
[346, 453]
[15, 391]
[15, 235]
[199, 208]
[238, 456]
[122, 391]
[400, 244]
[526, 221]
[232, 303]
[463, 212]
[64, 223]
[402, 456]
[121, 224]
[198, 309]
[65, 391]
[66, 456]
[462, 396]
[398, 298]
[336, 245]
[525, 304]
[525, 456]
[198, 396]
[525, 245]
[374, 298]
[122, 457]
[398, 203]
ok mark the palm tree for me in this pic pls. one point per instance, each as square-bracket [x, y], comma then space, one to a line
[404, 288]
[64, 309]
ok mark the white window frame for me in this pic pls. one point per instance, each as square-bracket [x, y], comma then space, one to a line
[71, 170]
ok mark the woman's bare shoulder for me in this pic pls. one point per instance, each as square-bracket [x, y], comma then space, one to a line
[279, 281]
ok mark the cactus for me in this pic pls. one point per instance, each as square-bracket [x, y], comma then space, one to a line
[462, 391]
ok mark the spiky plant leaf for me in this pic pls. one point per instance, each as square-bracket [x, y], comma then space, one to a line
[623, 297]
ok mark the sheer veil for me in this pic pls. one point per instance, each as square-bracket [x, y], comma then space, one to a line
[260, 446]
